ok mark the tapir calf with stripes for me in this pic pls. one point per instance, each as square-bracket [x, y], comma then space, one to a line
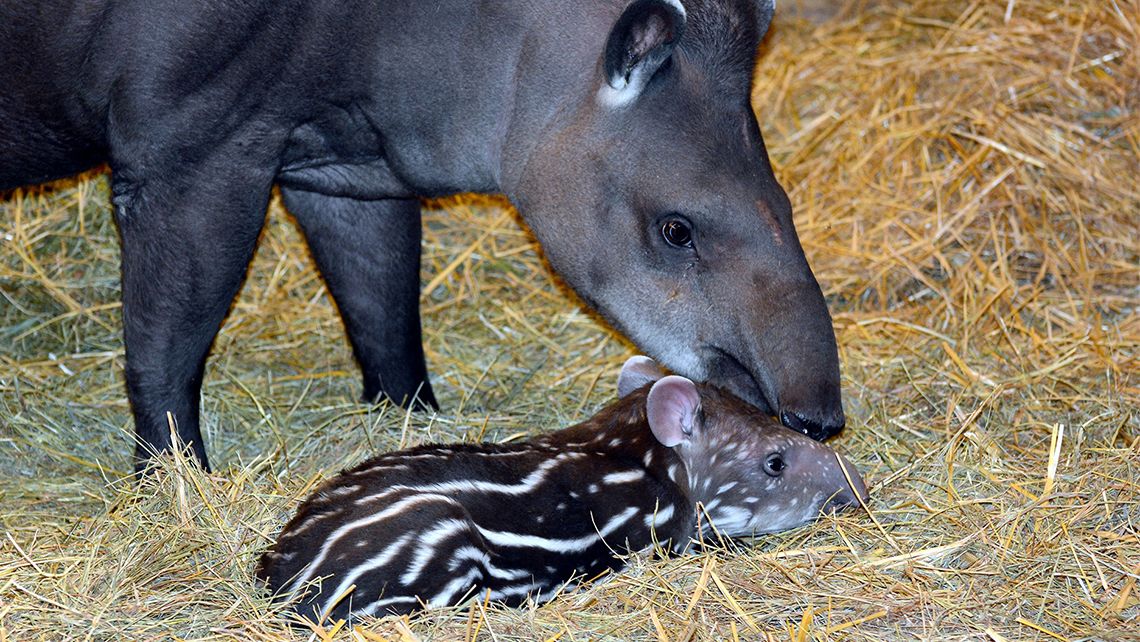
[671, 460]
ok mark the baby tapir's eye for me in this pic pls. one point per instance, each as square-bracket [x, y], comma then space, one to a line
[677, 232]
[774, 465]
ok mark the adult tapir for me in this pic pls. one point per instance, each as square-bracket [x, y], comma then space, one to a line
[621, 130]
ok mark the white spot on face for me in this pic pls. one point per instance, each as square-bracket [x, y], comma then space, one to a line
[732, 520]
[593, 488]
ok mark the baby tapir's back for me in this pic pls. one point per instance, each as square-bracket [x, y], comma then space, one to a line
[433, 524]
[428, 525]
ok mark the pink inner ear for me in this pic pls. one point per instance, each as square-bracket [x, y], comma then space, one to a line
[637, 372]
[672, 409]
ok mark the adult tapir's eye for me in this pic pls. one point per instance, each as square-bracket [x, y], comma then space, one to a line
[774, 465]
[677, 233]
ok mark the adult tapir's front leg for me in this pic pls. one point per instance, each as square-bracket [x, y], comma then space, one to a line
[369, 254]
[188, 224]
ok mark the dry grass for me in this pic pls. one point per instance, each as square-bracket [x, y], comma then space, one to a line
[965, 182]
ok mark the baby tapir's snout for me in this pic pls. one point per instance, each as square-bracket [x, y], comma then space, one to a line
[437, 524]
[750, 474]
[854, 492]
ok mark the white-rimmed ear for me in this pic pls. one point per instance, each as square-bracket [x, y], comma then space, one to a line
[641, 40]
[637, 372]
[765, 9]
[672, 407]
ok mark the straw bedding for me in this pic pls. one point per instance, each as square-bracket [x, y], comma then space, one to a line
[964, 177]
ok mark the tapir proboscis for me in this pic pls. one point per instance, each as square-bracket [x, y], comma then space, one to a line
[622, 131]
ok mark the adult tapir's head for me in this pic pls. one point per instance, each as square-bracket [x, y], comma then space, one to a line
[649, 187]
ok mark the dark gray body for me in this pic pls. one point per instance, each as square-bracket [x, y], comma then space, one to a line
[604, 122]
[670, 461]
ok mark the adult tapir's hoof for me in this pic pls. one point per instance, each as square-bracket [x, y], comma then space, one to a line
[420, 398]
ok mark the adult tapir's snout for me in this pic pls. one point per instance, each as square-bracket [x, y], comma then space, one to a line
[654, 198]
[783, 357]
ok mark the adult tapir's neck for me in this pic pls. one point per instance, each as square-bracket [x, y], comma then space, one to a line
[458, 92]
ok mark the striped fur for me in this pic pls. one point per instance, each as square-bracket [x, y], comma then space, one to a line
[437, 524]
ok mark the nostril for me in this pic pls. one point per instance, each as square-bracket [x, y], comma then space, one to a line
[814, 429]
[838, 504]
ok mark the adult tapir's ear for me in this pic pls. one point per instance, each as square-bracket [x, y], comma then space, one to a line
[765, 9]
[637, 372]
[672, 408]
[641, 40]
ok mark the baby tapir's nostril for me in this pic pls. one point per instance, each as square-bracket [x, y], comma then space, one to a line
[854, 491]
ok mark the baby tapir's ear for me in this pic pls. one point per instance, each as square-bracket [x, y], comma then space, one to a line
[641, 41]
[672, 408]
[636, 372]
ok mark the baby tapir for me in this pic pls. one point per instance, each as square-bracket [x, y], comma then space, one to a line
[436, 524]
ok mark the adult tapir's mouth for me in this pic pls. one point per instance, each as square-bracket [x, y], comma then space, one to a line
[729, 373]
[755, 387]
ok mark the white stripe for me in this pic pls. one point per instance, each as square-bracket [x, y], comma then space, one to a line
[660, 517]
[624, 477]
[341, 490]
[523, 486]
[331, 494]
[572, 545]
[512, 591]
[428, 541]
[379, 466]
[466, 553]
[372, 608]
[471, 553]
[335, 536]
[368, 499]
[507, 573]
[376, 561]
[389, 462]
[462, 583]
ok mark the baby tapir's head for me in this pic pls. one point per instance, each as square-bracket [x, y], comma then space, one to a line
[751, 474]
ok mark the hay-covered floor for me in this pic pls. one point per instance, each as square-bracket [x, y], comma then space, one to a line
[965, 182]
